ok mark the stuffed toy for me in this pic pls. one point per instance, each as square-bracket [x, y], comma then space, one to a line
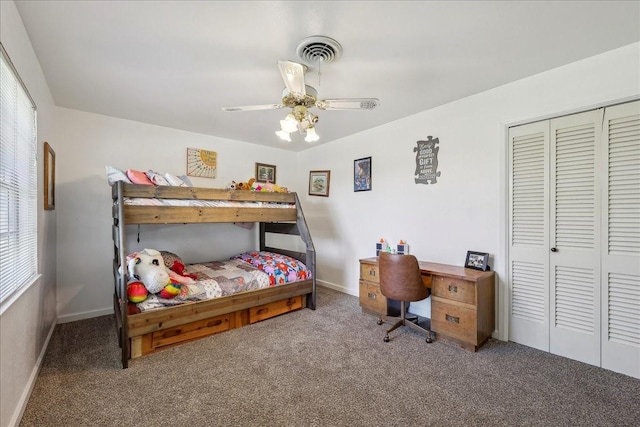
[147, 268]
[242, 185]
[268, 188]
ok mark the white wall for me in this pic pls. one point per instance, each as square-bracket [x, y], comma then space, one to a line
[26, 324]
[466, 209]
[87, 143]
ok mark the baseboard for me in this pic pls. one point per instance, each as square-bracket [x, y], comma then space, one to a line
[338, 288]
[26, 394]
[84, 315]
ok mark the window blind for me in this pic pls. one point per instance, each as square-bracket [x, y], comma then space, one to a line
[18, 182]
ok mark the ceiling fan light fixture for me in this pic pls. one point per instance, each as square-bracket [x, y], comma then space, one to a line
[285, 136]
[289, 124]
[312, 136]
[301, 98]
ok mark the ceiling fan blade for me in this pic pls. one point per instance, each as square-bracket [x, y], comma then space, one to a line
[254, 107]
[348, 104]
[293, 76]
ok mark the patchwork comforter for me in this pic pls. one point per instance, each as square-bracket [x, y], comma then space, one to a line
[244, 272]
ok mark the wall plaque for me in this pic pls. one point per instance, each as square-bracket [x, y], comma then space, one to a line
[202, 163]
[427, 161]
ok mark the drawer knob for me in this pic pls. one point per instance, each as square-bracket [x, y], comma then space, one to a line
[371, 295]
[453, 289]
[451, 319]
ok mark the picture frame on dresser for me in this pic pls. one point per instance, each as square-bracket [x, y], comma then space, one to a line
[477, 261]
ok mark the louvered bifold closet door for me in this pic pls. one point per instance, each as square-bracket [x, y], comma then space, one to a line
[574, 262]
[528, 234]
[620, 279]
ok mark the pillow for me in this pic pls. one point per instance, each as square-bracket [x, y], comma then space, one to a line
[156, 178]
[186, 180]
[114, 175]
[138, 177]
[174, 180]
[169, 258]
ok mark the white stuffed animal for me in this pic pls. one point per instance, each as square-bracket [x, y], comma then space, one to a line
[148, 267]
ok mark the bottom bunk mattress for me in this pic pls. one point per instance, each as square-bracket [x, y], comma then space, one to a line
[244, 272]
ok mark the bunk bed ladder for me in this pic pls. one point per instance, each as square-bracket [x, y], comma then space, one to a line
[311, 251]
[299, 228]
[120, 273]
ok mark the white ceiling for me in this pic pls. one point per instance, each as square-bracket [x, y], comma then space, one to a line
[176, 63]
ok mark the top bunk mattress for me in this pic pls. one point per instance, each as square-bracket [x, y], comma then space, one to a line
[141, 201]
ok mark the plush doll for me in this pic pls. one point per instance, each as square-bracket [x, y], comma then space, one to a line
[244, 185]
[147, 267]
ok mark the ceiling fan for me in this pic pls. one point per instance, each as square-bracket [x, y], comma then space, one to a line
[301, 98]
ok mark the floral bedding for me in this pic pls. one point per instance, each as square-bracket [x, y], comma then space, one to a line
[244, 272]
[280, 268]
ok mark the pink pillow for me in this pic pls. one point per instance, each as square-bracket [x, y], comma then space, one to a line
[138, 177]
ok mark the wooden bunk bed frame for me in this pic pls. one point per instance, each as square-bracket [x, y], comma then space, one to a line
[154, 330]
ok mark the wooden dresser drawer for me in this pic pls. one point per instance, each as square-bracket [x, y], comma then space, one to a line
[371, 299]
[369, 272]
[454, 321]
[454, 289]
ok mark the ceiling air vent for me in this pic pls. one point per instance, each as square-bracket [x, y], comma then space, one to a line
[319, 48]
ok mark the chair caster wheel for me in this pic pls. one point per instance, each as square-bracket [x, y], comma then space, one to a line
[429, 340]
[380, 322]
[386, 338]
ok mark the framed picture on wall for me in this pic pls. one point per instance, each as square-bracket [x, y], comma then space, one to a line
[202, 163]
[477, 261]
[319, 183]
[49, 177]
[362, 174]
[265, 173]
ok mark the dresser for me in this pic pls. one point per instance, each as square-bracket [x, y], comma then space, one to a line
[462, 300]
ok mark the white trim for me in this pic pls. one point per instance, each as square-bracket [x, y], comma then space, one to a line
[572, 111]
[335, 287]
[7, 302]
[85, 315]
[26, 394]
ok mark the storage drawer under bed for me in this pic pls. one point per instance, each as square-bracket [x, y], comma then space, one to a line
[158, 340]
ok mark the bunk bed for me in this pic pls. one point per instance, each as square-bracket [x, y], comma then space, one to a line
[149, 331]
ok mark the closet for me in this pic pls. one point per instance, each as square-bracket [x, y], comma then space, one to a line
[574, 236]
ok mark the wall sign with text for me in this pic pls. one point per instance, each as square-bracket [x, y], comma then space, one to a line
[427, 161]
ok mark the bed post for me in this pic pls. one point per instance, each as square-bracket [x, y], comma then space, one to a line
[311, 251]
[120, 272]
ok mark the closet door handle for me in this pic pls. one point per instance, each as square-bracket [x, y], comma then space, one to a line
[554, 250]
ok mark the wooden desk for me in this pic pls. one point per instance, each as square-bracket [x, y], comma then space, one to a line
[462, 300]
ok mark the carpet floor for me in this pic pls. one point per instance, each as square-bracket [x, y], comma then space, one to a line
[327, 367]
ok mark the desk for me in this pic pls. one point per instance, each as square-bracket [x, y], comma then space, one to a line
[462, 300]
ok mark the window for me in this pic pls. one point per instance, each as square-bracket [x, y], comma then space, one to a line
[18, 182]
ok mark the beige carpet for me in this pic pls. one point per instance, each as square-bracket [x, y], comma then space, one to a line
[327, 367]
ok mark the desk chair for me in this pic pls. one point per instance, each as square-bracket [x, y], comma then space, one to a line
[400, 280]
